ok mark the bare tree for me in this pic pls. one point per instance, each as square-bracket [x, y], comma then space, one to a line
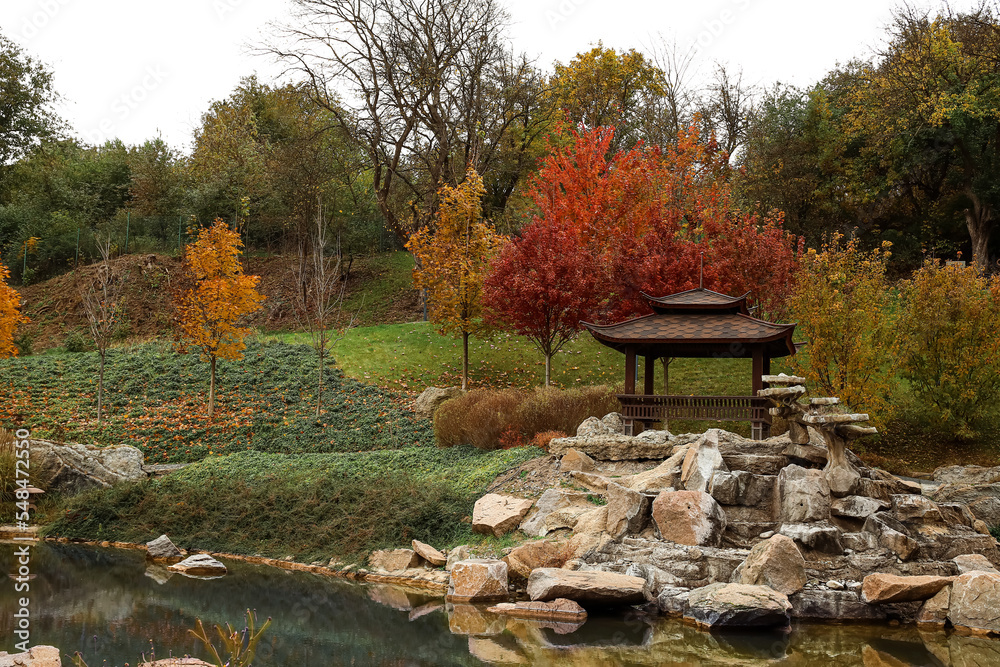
[320, 292]
[729, 108]
[424, 87]
[675, 109]
[102, 304]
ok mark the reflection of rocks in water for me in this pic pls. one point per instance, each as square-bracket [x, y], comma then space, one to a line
[602, 630]
[390, 596]
[425, 609]
[470, 619]
[497, 650]
[159, 573]
[956, 650]
[895, 652]
[758, 644]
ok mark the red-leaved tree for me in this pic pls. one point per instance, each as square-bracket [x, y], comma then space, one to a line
[612, 226]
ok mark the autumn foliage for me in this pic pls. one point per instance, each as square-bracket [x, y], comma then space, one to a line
[10, 314]
[218, 298]
[949, 344]
[452, 260]
[610, 226]
[844, 308]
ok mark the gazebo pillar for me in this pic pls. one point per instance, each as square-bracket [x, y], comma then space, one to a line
[649, 376]
[761, 366]
[630, 368]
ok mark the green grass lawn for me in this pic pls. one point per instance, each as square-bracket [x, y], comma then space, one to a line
[414, 356]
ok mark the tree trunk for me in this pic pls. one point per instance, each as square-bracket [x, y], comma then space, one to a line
[100, 387]
[211, 393]
[465, 361]
[548, 369]
[319, 393]
[979, 219]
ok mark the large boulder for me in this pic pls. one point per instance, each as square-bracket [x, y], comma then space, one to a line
[628, 510]
[429, 553]
[477, 580]
[612, 447]
[36, 656]
[857, 507]
[69, 468]
[934, 611]
[162, 550]
[497, 515]
[819, 536]
[689, 517]
[967, 475]
[432, 398]
[556, 509]
[590, 588]
[201, 565]
[737, 605]
[974, 562]
[661, 478]
[525, 558]
[702, 461]
[975, 602]
[880, 588]
[394, 560]
[891, 534]
[578, 461]
[775, 562]
[802, 495]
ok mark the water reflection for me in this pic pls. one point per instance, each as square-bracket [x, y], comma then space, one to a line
[110, 605]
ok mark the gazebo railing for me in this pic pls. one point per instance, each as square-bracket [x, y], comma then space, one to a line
[646, 408]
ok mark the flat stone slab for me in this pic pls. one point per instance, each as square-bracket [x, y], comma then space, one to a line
[781, 378]
[880, 588]
[737, 605]
[559, 609]
[591, 587]
[834, 419]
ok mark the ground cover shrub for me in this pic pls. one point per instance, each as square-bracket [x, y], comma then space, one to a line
[949, 345]
[491, 419]
[311, 506]
[155, 400]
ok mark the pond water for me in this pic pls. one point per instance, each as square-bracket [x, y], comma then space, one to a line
[111, 607]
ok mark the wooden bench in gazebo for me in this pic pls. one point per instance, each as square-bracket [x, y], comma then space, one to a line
[696, 323]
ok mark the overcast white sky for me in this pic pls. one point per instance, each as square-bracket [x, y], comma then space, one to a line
[137, 68]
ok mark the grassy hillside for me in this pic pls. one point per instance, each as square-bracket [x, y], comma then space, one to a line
[156, 400]
[310, 506]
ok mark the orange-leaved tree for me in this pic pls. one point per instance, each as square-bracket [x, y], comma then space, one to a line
[10, 314]
[452, 261]
[217, 298]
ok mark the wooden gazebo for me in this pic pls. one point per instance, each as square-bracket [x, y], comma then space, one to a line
[696, 323]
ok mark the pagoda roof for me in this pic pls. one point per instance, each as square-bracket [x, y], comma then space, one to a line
[696, 300]
[704, 334]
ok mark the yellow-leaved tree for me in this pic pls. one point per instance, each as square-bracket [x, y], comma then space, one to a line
[452, 261]
[216, 298]
[844, 308]
[10, 314]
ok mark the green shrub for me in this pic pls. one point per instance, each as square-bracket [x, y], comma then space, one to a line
[491, 419]
[77, 342]
[949, 339]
